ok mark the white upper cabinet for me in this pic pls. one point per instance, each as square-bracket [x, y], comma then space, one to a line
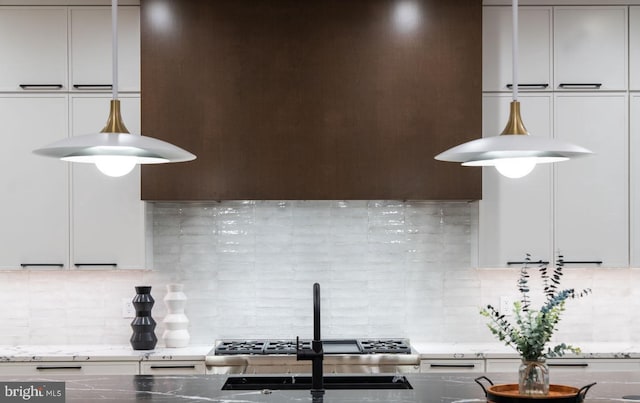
[634, 48]
[634, 180]
[48, 49]
[56, 215]
[516, 214]
[91, 48]
[33, 45]
[534, 55]
[35, 190]
[580, 208]
[591, 193]
[590, 48]
[108, 216]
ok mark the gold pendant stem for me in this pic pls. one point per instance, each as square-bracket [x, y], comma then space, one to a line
[514, 124]
[115, 124]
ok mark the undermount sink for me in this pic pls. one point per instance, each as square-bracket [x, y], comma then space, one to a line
[291, 382]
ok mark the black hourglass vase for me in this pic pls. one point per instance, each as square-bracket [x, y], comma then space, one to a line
[143, 325]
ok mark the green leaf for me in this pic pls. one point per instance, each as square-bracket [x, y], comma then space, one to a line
[530, 330]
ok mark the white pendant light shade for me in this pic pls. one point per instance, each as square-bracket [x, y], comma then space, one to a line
[115, 151]
[123, 147]
[514, 152]
[490, 150]
[145, 150]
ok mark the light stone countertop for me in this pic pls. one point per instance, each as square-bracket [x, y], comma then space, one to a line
[421, 350]
[428, 350]
[30, 353]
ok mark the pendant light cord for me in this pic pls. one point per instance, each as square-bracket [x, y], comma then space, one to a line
[114, 56]
[514, 50]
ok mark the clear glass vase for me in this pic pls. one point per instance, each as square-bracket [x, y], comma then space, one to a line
[534, 378]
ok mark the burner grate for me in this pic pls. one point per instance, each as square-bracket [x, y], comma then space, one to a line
[288, 346]
[228, 347]
[281, 347]
[381, 346]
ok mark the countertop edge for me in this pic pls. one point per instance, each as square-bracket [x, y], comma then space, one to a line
[100, 353]
[450, 351]
[421, 351]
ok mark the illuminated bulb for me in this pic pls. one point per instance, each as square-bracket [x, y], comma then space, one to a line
[115, 165]
[515, 167]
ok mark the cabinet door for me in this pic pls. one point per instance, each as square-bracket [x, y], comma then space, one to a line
[108, 216]
[534, 54]
[592, 198]
[56, 368]
[516, 214]
[593, 365]
[35, 208]
[91, 48]
[634, 180]
[33, 45]
[457, 365]
[590, 48]
[573, 365]
[172, 368]
[634, 48]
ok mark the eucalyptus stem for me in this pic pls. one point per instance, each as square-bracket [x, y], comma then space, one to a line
[532, 330]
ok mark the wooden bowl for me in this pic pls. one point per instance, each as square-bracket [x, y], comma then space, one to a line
[508, 393]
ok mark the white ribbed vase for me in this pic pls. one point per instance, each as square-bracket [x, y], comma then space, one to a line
[176, 322]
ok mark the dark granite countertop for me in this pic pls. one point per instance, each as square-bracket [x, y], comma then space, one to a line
[428, 388]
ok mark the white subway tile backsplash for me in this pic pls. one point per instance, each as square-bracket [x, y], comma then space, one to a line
[387, 269]
[265, 255]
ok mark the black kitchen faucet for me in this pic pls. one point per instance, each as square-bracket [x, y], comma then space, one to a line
[315, 354]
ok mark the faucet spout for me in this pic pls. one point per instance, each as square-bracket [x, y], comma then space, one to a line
[316, 312]
[315, 354]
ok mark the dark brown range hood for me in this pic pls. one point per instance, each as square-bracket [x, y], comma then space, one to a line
[311, 100]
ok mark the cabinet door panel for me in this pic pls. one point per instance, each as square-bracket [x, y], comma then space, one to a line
[534, 46]
[592, 193]
[634, 48]
[590, 46]
[634, 181]
[33, 45]
[108, 216]
[593, 365]
[91, 47]
[35, 212]
[172, 368]
[457, 365]
[57, 368]
[516, 214]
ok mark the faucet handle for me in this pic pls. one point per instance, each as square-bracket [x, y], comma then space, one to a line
[299, 351]
[300, 345]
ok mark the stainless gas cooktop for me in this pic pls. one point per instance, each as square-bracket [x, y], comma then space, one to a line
[330, 346]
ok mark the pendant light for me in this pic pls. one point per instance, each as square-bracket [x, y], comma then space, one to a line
[514, 152]
[114, 150]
